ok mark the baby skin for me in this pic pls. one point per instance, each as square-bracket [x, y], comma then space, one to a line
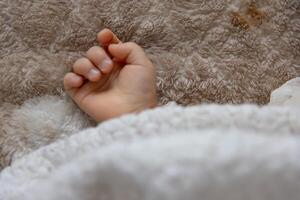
[114, 78]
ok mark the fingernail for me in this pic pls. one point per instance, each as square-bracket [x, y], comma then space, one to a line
[105, 63]
[93, 74]
[76, 79]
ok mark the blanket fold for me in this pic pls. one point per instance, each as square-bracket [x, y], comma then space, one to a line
[212, 152]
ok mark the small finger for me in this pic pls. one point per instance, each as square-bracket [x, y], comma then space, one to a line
[72, 81]
[86, 68]
[99, 58]
[107, 37]
[129, 52]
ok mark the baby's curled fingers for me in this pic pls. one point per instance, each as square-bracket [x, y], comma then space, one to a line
[72, 82]
[129, 52]
[99, 57]
[86, 68]
[107, 37]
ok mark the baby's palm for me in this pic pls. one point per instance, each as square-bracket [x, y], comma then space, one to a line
[127, 89]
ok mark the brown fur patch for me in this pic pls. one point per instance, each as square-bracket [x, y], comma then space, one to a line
[252, 17]
[256, 15]
[238, 20]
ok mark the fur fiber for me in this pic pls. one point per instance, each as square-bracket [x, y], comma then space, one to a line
[205, 51]
[207, 152]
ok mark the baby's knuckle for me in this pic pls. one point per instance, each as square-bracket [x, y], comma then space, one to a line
[78, 63]
[92, 50]
[133, 45]
[99, 34]
[67, 76]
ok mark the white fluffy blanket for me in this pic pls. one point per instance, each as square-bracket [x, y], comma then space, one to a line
[205, 51]
[204, 152]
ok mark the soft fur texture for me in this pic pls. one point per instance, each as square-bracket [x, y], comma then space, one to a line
[232, 51]
[204, 152]
[204, 50]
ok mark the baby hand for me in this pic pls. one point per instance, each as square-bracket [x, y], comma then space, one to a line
[112, 80]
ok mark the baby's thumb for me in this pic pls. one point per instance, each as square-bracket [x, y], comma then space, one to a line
[129, 52]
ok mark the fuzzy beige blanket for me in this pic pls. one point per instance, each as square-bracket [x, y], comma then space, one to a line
[211, 51]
